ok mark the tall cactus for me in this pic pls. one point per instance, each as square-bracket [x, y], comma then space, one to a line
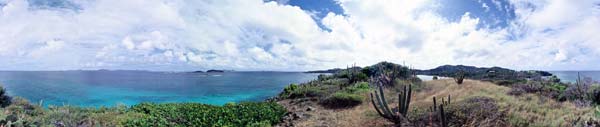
[381, 106]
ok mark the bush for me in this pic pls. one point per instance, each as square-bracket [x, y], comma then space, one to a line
[300, 91]
[342, 99]
[5, 100]
[477, 111]
[195, 114]
[360, 87]
[529, 87]
[507, 82]
[323, 77]
[362, 77]
[289, 89]
[579, 90]
[306, 91]
[554, 79]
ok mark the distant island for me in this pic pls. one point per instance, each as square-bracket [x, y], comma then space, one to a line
[212, 71]
[335, 70]
[219, 71]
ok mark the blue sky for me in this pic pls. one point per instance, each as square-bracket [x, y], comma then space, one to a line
[295, 35]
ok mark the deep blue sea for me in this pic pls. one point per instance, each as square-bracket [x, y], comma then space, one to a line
[571, 76]
[109, 88]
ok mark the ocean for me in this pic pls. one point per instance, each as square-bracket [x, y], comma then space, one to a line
[109, 88]
[571, 76]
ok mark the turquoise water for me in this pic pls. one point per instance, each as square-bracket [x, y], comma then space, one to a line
[109, 88]
[571, 76]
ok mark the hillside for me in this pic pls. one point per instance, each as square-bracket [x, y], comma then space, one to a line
[498, 107]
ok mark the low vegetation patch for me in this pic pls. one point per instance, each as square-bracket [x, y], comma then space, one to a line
[22, 113]
[342, 100]
[349, 97]
[194, 114]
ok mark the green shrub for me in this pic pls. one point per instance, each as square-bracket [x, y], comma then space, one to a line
[289, 89]
[195, 114]
[5, 100]
[307, 91]
[299, 91]
[558, 87]
[360, 87]
[342, 99]
[323, 77]
[362, 77]
[554, 79]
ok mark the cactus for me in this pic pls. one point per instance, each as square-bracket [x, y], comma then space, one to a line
[389, 78]
[459, 77]
[440, 110]
[443, 118]
[381, 106]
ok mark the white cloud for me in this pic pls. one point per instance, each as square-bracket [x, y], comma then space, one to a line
[258, 35]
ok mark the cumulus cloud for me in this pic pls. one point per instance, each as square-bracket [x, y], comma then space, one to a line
[267, 35]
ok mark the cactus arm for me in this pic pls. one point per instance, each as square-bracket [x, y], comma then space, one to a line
[380, 100]
[375, 105]
[385, 104]
[409, 95]
[400, 103]
[434, 104]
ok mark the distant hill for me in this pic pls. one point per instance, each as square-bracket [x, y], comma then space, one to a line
[451, 69]
[482, 72]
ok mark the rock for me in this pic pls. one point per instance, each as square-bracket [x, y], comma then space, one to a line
[323, 118]
[310, 108]
[297, 116]
[306, 115]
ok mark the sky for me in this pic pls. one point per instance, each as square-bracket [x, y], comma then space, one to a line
[297, 35]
